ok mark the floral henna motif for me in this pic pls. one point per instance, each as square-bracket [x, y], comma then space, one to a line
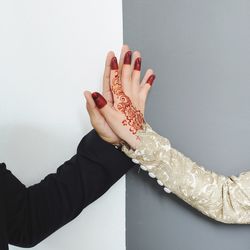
[134, 117]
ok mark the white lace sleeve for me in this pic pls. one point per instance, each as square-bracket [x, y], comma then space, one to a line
[225, 199]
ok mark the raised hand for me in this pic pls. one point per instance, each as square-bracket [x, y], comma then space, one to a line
[97, 119]
[123, 110]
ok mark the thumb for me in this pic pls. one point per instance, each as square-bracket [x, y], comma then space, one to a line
[93, 111]
[115, 120]
[99, 100]
[90, 104]
[107, 111]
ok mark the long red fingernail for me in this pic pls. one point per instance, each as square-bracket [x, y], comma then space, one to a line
[127, 57]
[99, 100]
[114, 64]
[151, 79]
[137, 65]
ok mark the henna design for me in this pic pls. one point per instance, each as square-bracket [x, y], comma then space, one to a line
[134, 117]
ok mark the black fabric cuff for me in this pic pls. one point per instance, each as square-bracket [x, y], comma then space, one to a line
[115, 162]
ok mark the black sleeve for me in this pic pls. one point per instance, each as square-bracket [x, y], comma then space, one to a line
[35, 212]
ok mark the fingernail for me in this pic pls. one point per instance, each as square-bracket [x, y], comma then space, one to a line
[127, 57]
[151, 79]
[137, 65]
[114, 64]
[99, 100]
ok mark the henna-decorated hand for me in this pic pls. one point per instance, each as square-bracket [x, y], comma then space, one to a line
[96, 118]
[123, 112]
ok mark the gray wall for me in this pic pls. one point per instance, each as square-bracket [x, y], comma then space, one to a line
[201, 101]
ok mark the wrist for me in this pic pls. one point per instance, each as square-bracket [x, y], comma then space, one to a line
[134, 138]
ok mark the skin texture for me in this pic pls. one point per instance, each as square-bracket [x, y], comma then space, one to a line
[125, 95]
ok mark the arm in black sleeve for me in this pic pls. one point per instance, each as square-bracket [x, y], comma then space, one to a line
[35, 212]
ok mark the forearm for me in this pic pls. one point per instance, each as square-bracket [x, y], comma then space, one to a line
[35, 212]
[226, 199]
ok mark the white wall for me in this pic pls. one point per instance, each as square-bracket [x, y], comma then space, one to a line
[50, 51]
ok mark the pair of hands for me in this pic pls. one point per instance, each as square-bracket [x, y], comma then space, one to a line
[119, 113]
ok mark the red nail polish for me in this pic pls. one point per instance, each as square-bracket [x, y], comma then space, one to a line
[151, 79]
[127, 57]
[137, 65]
[99, 100]
[114, 64]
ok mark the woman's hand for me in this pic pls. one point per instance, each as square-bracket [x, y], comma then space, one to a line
[96, 118]
[122, 107]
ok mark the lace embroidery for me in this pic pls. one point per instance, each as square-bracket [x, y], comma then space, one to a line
[225, 199]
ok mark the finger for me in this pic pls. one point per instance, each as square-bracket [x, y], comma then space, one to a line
[92, 109]
[136, 64]
[105, 110]
[146, 79]
[126, 72]
[146, 85]
[124, 49]
[115, 120]
[89, 100]
[115, 83]
[106, 78]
